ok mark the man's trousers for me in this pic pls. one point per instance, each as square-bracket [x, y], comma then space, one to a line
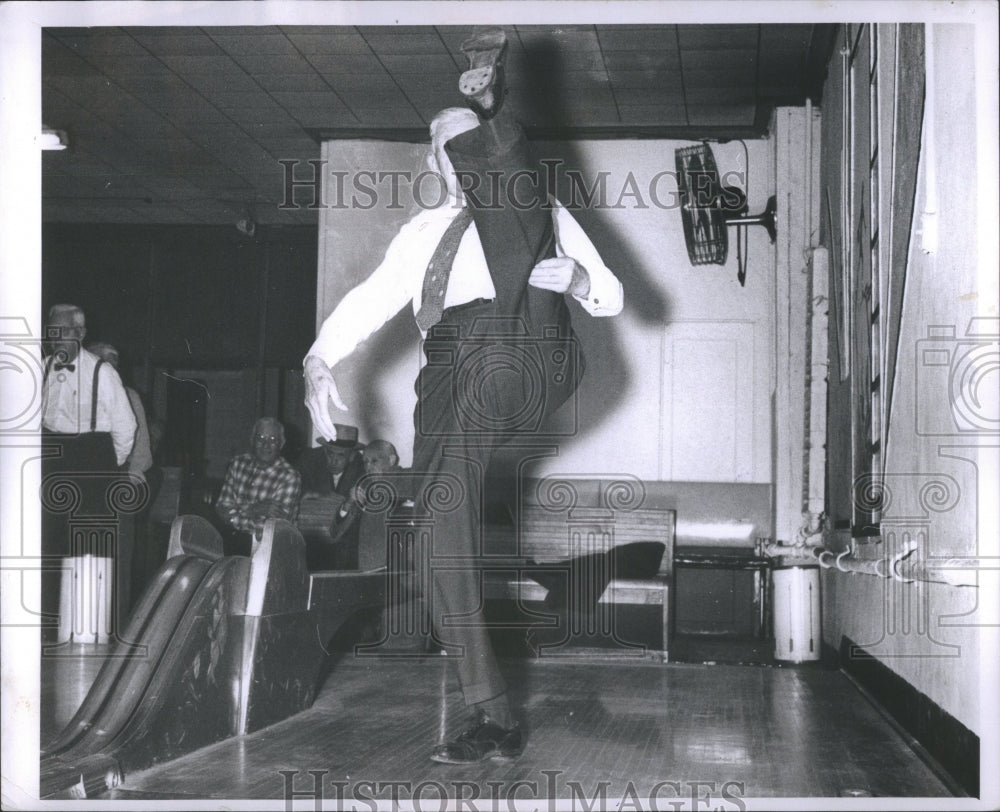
[495, 371]
[88, 507]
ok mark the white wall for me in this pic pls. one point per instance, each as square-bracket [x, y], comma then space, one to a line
[941, 470]
[677, 386]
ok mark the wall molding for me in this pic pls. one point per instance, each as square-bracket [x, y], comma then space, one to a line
[945, 744]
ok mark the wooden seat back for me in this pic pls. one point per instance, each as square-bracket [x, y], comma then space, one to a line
[544, 535]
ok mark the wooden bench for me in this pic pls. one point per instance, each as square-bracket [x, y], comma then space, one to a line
[572, 553]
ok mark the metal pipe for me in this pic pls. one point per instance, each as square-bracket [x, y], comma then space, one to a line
[809, 173]
[901, 567]
[952, 571]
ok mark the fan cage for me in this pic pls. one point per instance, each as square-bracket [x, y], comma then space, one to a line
[705, 232]
[707, 251]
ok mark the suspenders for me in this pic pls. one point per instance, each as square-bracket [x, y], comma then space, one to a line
[93, 388]
[93, 395]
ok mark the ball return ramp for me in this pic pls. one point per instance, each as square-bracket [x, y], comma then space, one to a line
[218, 646]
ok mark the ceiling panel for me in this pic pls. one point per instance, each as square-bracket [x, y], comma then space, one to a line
[629, 37]
[732, 61]
[717, 37]
[718, 114]
[256, 64]
[392, 42]
[99, 43]
[314, 118]
[293, 100]
[249, 116]
[309, 81]
[137, 65]
[674, 115]
[638, 96]
[258, 42]
[365, 97]
[60, 60]
[389, 118]
[179, 124]
[331, 65]
[187, 42]
[339, 41]
[163, 87]
[647, 59]
[420, 63]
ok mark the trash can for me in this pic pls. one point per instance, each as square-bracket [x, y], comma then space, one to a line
[795, 599]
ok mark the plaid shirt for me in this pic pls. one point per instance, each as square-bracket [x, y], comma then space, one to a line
[247, 482]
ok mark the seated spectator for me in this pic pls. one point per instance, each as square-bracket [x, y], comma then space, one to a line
[332, 467]
[378, 457]
[354, 528]
[258, 486]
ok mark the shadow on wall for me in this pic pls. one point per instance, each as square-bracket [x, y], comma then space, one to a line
[372, 379]
[397, 342]
[545, 103]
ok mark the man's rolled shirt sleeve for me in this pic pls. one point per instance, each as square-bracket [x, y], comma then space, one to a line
[141, 457]
[371, 304]
[113, 400]
[606, 296]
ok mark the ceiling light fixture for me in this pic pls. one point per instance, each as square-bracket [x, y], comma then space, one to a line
[53, 139]
[247, 224]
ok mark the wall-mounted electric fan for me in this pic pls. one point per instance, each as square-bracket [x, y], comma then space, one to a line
[708, 209]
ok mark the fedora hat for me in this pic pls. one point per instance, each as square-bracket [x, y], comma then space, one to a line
[347, 437]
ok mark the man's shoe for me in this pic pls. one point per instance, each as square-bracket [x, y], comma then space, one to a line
[484, 83]
[482, 740]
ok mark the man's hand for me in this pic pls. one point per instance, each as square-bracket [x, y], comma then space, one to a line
[562, 275]
[266, 509]
[355, 497]
[226, 512]
[321, 391]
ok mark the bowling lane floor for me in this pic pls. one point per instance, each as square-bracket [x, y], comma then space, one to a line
[594, 730]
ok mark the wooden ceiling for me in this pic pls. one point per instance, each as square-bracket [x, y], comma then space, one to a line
[187, 125]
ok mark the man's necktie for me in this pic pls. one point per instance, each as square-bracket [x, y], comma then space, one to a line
[438, 271]
[57, 366]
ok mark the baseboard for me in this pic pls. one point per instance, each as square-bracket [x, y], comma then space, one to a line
[950, 744]
[829, 656]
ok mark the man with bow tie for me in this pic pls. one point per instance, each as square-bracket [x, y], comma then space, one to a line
[70, 405]
[88, 429]
[488, 273]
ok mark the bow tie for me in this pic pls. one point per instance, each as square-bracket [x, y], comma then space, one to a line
[57, 366]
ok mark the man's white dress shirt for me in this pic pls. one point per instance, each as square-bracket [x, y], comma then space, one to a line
[400, 276]
[66, 399]
[140, 459]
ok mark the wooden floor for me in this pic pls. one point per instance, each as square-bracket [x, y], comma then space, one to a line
[743, 732]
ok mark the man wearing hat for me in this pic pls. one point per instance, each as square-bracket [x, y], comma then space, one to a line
[334, 466]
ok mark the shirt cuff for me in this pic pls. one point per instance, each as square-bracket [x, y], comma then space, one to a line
[605, 297]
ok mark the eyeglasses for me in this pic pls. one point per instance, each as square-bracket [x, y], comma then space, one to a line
[260, 438]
